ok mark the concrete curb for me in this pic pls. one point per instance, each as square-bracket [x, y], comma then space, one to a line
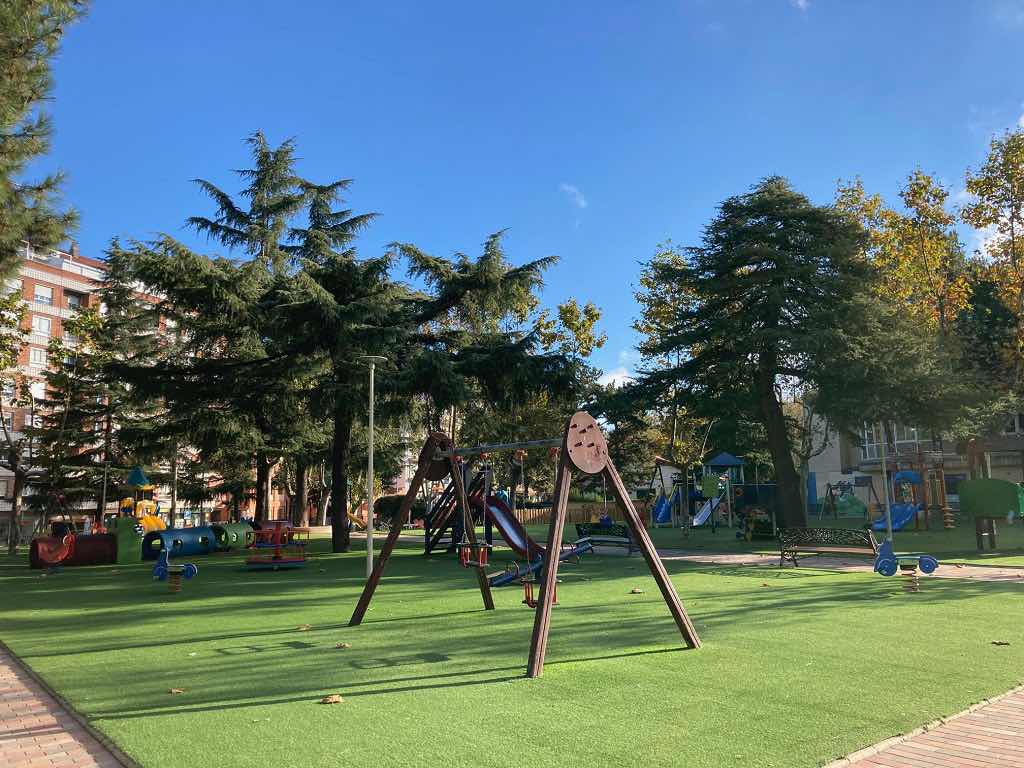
[104, 742]
[854, 757]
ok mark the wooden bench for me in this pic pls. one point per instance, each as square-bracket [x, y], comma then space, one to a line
[614, 535]
[821, 541]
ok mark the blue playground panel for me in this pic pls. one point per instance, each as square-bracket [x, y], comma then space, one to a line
[179, 541]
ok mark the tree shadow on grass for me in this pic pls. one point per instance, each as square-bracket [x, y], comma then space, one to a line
[374, 687]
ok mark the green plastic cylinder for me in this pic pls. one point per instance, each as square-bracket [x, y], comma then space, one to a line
[232, 535]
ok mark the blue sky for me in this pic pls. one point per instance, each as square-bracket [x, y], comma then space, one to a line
[592, 130]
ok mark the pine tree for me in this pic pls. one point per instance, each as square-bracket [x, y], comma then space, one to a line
[30, 33]
[773, 290]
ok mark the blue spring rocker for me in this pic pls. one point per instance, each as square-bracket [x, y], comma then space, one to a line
[888, 562]
[173, 574]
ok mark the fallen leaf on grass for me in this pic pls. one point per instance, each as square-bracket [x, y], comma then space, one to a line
[636, 591]
[176, 690]
[323, 570]
[343, 645]
[765, 584]
[304, 627]
[193, 654]
[999, 642]
[334, 698]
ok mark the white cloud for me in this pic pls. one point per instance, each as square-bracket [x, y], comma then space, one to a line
[1009, 13]
[978, 240]
[617, 376]
[800, 5]
[1020, 120]
[574, 194]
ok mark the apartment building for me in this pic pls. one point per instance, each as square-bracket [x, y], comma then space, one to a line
[53, 285]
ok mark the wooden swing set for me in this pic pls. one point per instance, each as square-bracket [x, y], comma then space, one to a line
[583, 449]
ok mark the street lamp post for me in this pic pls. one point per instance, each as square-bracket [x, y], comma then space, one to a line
[372, 361]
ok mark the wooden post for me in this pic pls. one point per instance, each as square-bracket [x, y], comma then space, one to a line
[584, 448]
[426, 469]
[668, 590]
[549, 571]
[390, 541]
[470, 529]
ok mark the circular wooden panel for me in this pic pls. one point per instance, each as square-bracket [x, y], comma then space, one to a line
[438, 469]
[585, 444]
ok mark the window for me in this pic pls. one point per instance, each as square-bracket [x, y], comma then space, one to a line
[70, 339]
[41, 324]
[9, 390]
[902, 440]
[1015, 425]
[35, 421]
[37, 357]
[74, 300]
[43, 294]
[3, 489]
[9, 421]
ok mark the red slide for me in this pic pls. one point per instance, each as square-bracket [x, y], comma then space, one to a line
[511, 530]
[47, 550]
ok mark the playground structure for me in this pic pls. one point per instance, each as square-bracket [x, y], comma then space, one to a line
[283, 546]
[120, 544]
[582, 449]
[124, 543]
[173, 574]
[494, 512]
[141, 503]
[717, 494]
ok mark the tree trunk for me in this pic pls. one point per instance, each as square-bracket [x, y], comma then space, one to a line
[321, 506]
[264, 465]
[341, 528]
[300, 514]
[174, 486]
[790, 513]
[14, 533]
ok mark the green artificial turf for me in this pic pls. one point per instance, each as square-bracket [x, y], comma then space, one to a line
[798, 666]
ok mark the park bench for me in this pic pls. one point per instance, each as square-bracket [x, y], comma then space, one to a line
[614, 535]
[821, 541]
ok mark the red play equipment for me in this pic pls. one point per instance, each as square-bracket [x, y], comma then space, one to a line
[47, 551]
[287, 545]
[73, 549]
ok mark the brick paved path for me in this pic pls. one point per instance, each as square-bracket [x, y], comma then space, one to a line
[37, 732]
[990, 736]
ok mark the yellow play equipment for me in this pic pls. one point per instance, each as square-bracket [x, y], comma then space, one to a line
[142, 504]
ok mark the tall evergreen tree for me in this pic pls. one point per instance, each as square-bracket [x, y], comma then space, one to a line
[773, 290]
[30, 33]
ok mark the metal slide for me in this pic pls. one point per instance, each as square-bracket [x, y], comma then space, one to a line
[515, 535]
[705, 512]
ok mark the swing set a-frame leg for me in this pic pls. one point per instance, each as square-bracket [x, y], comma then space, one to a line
[426, 469]
[584, 448]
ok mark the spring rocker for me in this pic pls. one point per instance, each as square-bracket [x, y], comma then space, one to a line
[583, 450]
[887, 563]
[173, 574]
